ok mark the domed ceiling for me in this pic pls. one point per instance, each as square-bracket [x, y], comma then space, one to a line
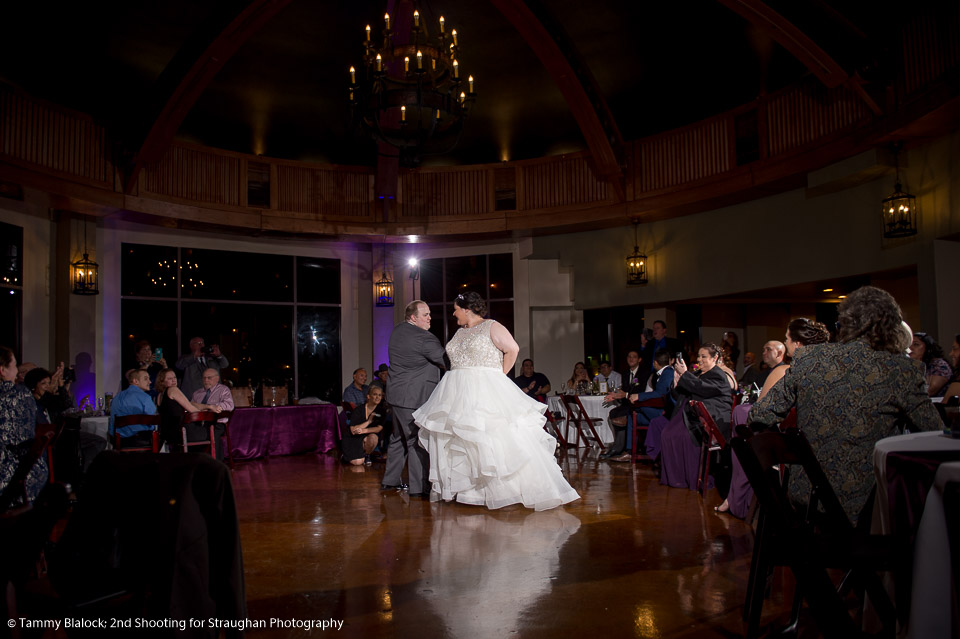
[283, 91]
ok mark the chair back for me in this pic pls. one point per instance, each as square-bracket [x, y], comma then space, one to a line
[710, 426]
[574, 408]
[200, 416]
[242, 396]
[141, 420]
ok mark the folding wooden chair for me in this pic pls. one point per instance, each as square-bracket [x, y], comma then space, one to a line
[712, 441]
[655, 402]
[204, 416]
[578, 415]
[553, 423]
[811, 540]
[130, 420]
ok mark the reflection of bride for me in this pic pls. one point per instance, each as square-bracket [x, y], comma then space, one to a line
[485, 436]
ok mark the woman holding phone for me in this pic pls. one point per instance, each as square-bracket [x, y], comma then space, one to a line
[149, 360]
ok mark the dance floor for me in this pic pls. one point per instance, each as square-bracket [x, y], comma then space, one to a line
[630, 558]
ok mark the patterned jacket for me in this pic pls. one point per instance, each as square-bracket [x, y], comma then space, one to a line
[18, 422]
[848, 397]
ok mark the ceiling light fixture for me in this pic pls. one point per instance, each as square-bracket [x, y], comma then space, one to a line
[409, 92]
[86, 272]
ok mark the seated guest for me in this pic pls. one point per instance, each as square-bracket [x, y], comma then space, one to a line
[751, 372]
[366, 421]
[926, 349]
[632, 375]
[172, 404]
[772, 355]
[800, 332]
[216, 394]
[731, 348]
[531, 382]
[145, 360]
[356, 392]
[580, 379]
[135, 399]
[850, 395]
[681, 438]
[55, 398]
[608, 375]
[953, 389]
[660, 341]
[382, 374]
[37, 381]
[23, 369]
[18, 423]
[659, 385]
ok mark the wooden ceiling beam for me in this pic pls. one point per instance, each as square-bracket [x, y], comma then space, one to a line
[579, 89]
[803, 47]
[187, 77]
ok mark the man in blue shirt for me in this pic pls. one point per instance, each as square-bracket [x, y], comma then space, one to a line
[356, 392]
[134, 400]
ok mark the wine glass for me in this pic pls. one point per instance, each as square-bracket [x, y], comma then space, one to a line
[100, 404]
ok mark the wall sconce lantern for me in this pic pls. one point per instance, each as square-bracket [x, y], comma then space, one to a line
[899, 210]
[636, 262]
[383, 289]
[86, 272]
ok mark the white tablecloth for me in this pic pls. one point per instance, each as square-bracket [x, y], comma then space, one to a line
[914, 442]
[593, 404]
[932, 605]
[96, 425]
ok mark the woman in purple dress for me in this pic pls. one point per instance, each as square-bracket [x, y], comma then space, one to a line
[680, 441]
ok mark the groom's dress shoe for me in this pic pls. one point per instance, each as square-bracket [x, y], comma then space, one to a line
[385, 487]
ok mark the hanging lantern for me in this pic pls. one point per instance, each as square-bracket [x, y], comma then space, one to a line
[86, 272]
[899, 210]
[86, 276]
[383, 289]
[636, 262]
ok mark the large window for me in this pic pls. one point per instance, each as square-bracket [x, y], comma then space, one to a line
[275, 317]
[11, 287]
[443, 278]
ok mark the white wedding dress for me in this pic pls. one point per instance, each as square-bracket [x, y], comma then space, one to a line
[485, 436]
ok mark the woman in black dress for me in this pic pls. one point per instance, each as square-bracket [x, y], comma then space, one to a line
[366, 422]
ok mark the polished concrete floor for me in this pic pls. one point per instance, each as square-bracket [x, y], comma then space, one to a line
[630, 558]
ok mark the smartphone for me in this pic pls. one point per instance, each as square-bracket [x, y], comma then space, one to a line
[157, 354]
[679, 357]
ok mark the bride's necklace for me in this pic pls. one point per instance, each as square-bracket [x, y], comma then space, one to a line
[476, 324]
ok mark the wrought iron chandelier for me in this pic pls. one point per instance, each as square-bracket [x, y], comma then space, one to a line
[86, 272]
[410, 90]
[899, 210]
[636, 262]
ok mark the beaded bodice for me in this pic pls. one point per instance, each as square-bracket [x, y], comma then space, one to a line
[472, 347]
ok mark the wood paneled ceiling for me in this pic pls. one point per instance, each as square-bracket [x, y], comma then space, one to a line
[270, 76]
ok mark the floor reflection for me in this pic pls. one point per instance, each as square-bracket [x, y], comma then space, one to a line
[630, 558]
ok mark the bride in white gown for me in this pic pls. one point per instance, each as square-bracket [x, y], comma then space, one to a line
[485, 436]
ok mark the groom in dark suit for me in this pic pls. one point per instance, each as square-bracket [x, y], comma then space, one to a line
[416, 358]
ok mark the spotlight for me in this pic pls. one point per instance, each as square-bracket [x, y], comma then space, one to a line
[414, 268]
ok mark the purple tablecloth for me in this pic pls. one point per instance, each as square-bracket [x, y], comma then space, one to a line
[283, 430]
[740, 413]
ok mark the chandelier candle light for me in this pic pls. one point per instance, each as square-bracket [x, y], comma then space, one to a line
[409, 93]
[636, 262]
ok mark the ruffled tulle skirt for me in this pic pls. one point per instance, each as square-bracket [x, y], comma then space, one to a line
[487, 444]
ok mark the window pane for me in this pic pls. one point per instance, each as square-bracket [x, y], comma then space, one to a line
[151, 320]
[318, 352]
[503, 313]
[229, 275]
[11, 255]
[256, 339]
[148, 271]
[438, 313]
[431, 280]
[11, 305]
[318, 280]
[501, 276]
[467, 273]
